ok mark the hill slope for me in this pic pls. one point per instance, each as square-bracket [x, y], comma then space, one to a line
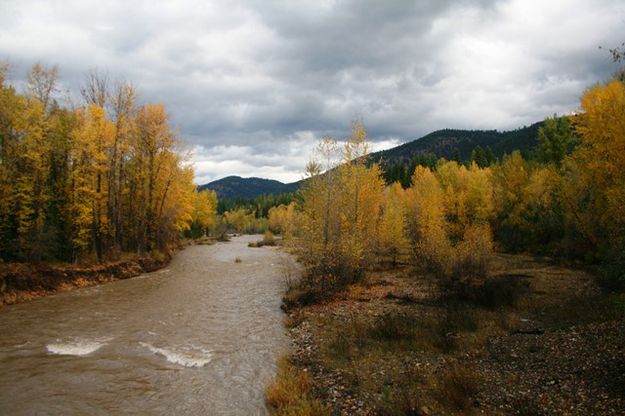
[443, 143]
[235, 186]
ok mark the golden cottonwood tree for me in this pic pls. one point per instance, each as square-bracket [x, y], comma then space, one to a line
[89, 171]
[392, 231]
[238, 219]
[30, 162]
[204, 211]
[320, 228]
[527, 199]
[85, 183]
[468, 196]
[595, 195]
[359, 201]
[285, 219]
[427, 223]
[341, 209]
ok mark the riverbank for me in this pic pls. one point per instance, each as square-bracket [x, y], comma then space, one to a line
[544, 340]
[22, 282]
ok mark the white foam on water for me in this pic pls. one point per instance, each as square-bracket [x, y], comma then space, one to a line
[78, 347]
[187, 356]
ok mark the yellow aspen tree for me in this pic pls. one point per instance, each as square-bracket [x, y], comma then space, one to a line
[320, 212]
[204, 210]
[285, 220]
[392, 234]
[479, 195]
[360, 201]
[277, 217]
[510, 182]
[292, 222]
[123, 109]
[595, 190]
[175, 199]
[90, 169]
[601, 156]
[237, 220]
[153, 136]
[453, 180]
[10, 107]
[427, 222]
[30, 177]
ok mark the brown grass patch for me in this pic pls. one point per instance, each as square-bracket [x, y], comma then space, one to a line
[458, 386]
[290, 393]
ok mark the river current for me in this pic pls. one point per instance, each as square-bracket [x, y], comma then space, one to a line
[200, 337]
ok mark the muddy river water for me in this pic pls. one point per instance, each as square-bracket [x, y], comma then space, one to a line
[200, 337]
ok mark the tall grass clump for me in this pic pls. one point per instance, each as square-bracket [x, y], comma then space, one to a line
[290, 393]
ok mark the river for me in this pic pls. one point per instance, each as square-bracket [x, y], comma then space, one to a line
[200, 337]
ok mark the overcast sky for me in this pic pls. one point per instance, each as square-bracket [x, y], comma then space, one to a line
[252, 84]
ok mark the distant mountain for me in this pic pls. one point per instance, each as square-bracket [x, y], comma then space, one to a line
[235, 186]
[444, 143]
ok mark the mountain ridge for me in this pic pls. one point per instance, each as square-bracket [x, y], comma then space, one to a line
[234, 186]
[445, 143]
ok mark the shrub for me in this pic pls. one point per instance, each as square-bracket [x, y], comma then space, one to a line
[320, 282]
[434, 252]
[290, 393]
[493, 292]
[473, 253]
[612, 272]
[393, 327]
[268, 239]
[221, 232]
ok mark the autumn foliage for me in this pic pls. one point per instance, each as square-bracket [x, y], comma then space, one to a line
[93, 181]
[341, 210]
[568, 201]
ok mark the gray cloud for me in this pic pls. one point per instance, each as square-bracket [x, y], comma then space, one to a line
[252, 84]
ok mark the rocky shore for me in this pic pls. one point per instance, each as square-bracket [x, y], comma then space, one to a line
[558, 350]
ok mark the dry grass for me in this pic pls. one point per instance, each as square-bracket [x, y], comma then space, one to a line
[290, 393]
[458, 386]
[393, 327]
[396, 338]
[268, 240]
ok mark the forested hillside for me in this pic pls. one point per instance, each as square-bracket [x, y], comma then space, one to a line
[232, 187]
[459, 144]
[399, 162]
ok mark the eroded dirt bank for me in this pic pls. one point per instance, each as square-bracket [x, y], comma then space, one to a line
[21, 282]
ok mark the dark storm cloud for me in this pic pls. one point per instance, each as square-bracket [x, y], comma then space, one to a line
[252, 84]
